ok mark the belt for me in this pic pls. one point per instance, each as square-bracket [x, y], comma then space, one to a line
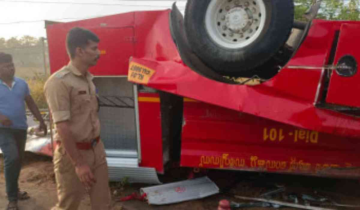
[84, 145]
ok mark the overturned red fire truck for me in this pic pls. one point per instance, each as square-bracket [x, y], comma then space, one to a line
[236, 85]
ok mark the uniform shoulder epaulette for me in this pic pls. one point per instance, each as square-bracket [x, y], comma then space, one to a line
[60, 74]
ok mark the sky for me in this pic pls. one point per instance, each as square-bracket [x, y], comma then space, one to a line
[26, 17]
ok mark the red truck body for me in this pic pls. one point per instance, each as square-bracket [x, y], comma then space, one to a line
[276, 126]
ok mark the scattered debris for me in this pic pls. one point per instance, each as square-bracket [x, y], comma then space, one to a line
[180, 191]
[38, 145]
[290, 199]
[134, 196]
[346, 205]
[294, 198]
[227, 205]
[281, 203]
[313, 198]
[273, 192]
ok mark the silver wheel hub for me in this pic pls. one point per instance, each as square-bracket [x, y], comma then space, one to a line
[237, 19]
[235, 24]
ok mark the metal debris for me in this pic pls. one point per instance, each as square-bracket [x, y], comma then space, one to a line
[294, 198]
[272, 193]
[281, 203]
[180, 191]
[314, 199]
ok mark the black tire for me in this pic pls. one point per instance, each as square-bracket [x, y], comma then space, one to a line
[235, 62]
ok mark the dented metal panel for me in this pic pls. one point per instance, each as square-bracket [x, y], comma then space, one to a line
[127, 168]
[180, 191]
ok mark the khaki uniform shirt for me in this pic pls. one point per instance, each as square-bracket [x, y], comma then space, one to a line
[72, 97]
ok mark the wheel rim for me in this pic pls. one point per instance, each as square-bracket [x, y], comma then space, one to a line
[235, 24]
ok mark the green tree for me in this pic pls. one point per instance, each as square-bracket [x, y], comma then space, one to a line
[351, 11]
[330, 9]
[301, 6]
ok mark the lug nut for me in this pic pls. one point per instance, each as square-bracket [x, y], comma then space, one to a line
[247, 4]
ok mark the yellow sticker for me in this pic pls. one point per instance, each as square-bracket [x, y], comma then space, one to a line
[139, 73]
[103, 52]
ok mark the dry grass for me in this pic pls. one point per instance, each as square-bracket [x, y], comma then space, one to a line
[36, 85]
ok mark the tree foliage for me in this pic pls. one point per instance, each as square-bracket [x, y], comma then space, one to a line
[15, 42]
[330, 9]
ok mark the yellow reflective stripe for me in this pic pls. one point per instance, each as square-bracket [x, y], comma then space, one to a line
[157, 100]
[149, 99]
[189, 100]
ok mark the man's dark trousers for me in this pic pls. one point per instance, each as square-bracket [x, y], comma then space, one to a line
[12, 145]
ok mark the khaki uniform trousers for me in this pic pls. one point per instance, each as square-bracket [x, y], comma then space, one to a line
[69, 188]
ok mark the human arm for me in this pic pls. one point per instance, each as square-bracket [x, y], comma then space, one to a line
[35, 111]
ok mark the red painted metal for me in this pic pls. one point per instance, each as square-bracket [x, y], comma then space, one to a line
[150, 131]
[260, 100]
[139, 34]
[153, 39]
[315, 49]
[299, 83]
[215, 137]
[342, 89]
[115, 51]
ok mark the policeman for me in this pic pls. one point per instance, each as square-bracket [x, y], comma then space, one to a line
[79, 159]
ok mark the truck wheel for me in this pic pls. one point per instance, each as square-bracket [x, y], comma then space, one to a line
[235, 36]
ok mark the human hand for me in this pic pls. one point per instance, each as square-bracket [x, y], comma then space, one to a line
[85, 175]
[5, 121]
[43, 127]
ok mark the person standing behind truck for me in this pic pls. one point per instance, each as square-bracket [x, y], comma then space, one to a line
[14, 93]
[79, 161]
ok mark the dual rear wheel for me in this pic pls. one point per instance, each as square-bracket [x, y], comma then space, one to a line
[235, 37]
